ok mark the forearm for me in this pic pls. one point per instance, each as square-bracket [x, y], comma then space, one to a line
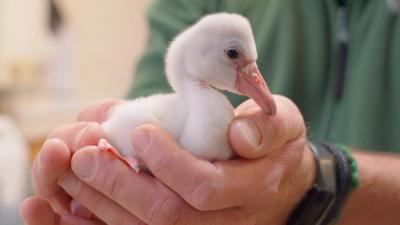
[377, 200]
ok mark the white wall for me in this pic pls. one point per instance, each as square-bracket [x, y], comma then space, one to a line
[111, 35]
[22, 31]
[107, 39]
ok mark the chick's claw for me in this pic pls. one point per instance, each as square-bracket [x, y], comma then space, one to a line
[132, 162]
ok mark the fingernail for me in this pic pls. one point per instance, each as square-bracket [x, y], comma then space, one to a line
[80, 135]
[70, 183]
[78, 209]
[141, 140]
[84, 165]
[249, 130]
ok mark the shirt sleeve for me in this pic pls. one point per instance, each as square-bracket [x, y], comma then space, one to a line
[166, 18]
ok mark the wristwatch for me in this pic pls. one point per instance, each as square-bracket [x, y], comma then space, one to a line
[319, 201]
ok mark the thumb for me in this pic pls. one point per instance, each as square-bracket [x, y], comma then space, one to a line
[254, 134]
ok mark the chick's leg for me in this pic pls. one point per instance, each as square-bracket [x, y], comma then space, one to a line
[131, 161]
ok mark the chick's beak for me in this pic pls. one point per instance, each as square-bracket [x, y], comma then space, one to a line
[250, 82]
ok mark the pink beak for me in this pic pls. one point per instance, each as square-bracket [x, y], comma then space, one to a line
[250, 82]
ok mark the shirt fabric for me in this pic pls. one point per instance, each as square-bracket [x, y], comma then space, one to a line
[339, 64]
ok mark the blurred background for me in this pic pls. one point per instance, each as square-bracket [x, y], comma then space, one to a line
[55, 57]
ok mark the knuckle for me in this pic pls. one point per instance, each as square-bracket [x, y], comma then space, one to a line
[202, 194]
[113, 183]
[37, 182]
[288, 124]
[99, 108]
[87, 110]
[92, 200]
[91, 135]
[166, 210]
[55, 132]
[41, 191]
[293, 121]
[40, 181]
[62, 130]
[160, 165]
[291, 109]
[285, 100]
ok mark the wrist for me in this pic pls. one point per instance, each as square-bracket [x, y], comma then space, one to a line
[303, 178]
[337, 175]
[308, 170]
[306, 176]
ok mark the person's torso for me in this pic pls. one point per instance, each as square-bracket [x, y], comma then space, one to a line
[349, 96]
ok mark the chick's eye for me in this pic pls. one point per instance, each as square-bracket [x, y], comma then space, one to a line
[232, 53]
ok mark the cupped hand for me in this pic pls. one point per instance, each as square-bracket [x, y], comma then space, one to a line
[54, 159]
[262, 186]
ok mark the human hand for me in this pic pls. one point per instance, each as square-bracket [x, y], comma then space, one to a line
[54, 159]
[261, 188]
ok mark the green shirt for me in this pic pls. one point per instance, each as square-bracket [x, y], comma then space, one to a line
[298, 44]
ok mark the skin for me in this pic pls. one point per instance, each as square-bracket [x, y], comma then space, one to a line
[276, 168]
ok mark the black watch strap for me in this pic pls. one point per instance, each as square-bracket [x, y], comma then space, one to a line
[344, 175]
[317, 204]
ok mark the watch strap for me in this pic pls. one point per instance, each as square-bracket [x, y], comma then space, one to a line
[337, 175]
[319, 200]
[343, 178]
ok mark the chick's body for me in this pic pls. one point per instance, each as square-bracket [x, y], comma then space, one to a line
[203, 133]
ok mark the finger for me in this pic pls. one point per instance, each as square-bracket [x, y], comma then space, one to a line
[140, 193]
[36, 211]
[200, 183]
[254, 134]
[103, 207]
[98, 111]
[54, 157]
[79, 134]
[53, 160]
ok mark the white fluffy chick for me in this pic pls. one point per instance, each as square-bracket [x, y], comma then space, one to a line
[218, 52]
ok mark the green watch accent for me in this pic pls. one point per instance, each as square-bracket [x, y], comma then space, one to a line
[355, 176]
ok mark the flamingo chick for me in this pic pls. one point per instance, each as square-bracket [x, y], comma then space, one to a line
[218, 52]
